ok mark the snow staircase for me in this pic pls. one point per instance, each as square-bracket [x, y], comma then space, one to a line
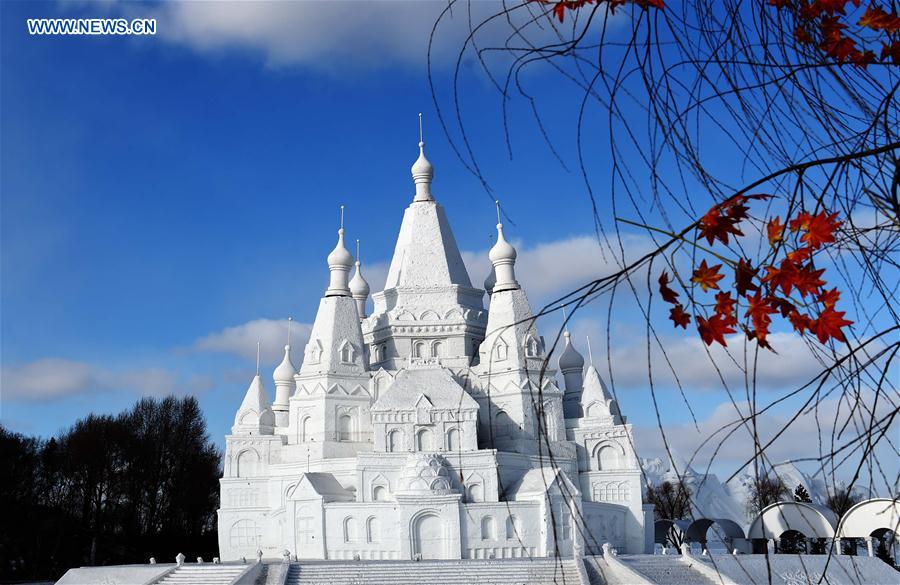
[538, 571]
[664, 569]
[202, 575]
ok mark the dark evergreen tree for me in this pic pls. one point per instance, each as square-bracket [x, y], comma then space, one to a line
[801, 495]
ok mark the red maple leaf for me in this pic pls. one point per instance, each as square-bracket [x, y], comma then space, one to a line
[707, 277]
[891, 51]
[725, 306]
[784, 306]
[803, 37]
[758, 310]
[830, 298]
[743, 278]
[775, 230]
[876, 18]
[808, 280]
[829, 324]
[713, 329]
[785, 276]
[715, 226]
[679, 316]
[801, 222]
[800, 321]
[820, 229]
[668, 295]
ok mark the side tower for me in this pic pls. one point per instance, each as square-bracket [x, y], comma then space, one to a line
[249, 450]
[608, 468]
[329, 412]
[521, 404]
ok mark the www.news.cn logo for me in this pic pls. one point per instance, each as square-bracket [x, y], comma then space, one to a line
[91, 26]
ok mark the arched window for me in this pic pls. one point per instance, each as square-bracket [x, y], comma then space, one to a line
[504, 424]
[607, 458]
[500, 350]
[436, 349]
[376, 354]
[622, 493]
[347, 353]
[394, 441]
[512, 527]
[305, 428]
[247, 463]
[453, 440]
[372, 529]
[475, 492]
[532, 349]
[379, 494]
[419, 349]
[244, 534]
[349, 529]
[564, 521]
[423, 440]
[488, 530]
[345, 428]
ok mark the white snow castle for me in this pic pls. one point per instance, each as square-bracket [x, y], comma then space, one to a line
[431, 429]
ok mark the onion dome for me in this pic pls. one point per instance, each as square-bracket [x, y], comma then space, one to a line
[570, 359]
[340, 261]
[340, 256]
[503, 257]
[285, 371]
[359, 288]
[422, 171]
[358, 284]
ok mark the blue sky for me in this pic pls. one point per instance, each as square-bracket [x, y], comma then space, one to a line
[167, 199]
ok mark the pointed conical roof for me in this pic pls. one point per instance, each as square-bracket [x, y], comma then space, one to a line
[255, 415]
[595, 391]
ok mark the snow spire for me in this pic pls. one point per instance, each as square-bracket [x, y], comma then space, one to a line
[359, 288]
[339, 263]
[422, 170]
[503, 258]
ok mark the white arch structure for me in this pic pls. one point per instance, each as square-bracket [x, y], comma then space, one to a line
[810, 519]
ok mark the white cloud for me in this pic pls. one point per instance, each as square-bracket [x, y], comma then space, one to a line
[241, 339]
[337, 35]
[48, 378]
[810, 433]
[794, 365]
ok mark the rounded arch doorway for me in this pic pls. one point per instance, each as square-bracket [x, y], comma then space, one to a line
[428, 540]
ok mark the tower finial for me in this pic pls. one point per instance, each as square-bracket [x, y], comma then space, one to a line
[257, 357]
[422, 171]
[290, 322]
[590, 351]
[342, 217]
[357, 251]
[421, 134]
[565, 319]
[503, 259]
[340, 261]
